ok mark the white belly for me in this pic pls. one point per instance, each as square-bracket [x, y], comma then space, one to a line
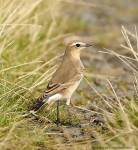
[55, 97]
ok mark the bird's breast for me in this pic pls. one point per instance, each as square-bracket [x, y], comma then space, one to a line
[69, 91]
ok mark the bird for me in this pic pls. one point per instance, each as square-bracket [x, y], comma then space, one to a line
[65, 80]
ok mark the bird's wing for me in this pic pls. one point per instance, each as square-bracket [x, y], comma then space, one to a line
[61, 80]
[57, 87]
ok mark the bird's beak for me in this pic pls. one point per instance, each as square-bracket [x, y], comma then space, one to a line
[87, 45]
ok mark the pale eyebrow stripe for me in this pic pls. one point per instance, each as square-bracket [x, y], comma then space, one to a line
[77, 43]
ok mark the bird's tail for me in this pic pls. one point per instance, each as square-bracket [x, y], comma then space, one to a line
[38, 105]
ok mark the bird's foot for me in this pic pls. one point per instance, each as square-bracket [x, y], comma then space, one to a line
[58, 122]
[72, 124]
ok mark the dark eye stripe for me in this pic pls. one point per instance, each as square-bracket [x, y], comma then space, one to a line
[77, 45]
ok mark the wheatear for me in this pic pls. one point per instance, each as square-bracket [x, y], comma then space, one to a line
[65, 80]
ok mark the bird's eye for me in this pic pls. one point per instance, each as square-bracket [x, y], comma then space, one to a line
[77, 45]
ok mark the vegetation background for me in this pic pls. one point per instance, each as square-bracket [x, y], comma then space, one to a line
[33, 36]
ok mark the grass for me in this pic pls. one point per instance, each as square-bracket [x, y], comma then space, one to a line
[31, 34]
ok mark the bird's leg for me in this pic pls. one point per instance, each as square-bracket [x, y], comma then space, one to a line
[67, 103]
[58, 121]
[69, 114]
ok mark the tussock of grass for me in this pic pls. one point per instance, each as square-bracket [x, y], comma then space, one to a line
[26, 34]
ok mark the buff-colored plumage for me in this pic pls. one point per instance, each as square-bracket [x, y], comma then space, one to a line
[66, 78]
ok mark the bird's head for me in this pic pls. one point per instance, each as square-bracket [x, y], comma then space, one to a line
[77, 46]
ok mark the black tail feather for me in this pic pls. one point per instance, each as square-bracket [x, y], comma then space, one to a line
[38, 105]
